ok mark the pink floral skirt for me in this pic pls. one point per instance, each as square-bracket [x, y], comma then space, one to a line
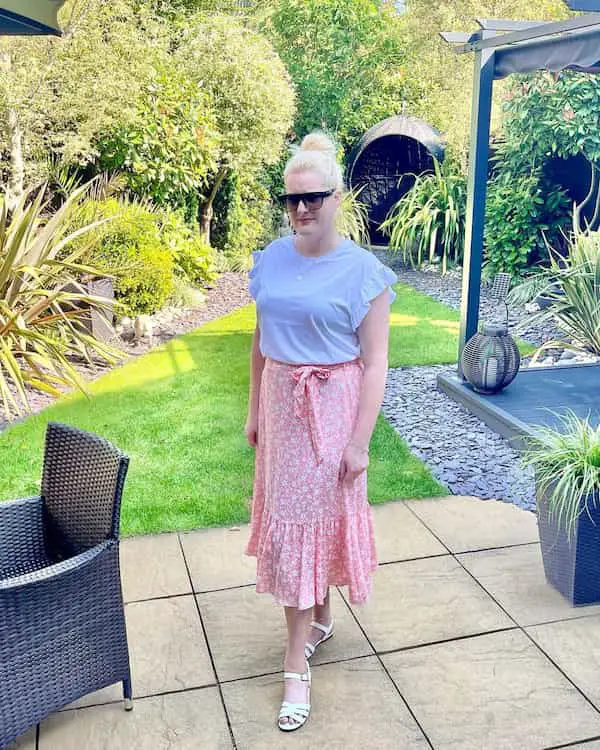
[308, 531]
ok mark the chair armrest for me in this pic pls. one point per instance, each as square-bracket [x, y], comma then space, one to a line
[56, 571]
[21, 532]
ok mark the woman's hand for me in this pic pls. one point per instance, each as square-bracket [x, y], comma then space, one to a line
[354, 461]
[251, 429]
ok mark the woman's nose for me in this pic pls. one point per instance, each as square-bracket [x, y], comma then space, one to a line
[301, 208]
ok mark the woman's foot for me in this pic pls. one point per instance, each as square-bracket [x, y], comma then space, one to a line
[319, 633]
[295, 708]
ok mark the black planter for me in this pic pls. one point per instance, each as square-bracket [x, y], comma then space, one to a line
[572, 564]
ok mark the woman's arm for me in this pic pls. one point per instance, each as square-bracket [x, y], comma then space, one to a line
[257, 363]
[373, 335]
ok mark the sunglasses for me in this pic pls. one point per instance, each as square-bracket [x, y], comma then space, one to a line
[311, 201]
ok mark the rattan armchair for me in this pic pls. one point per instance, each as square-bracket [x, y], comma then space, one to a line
[62, 624]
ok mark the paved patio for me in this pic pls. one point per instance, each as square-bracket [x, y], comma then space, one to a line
[463, 646]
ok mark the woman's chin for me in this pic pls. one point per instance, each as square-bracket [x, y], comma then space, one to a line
[307, 230]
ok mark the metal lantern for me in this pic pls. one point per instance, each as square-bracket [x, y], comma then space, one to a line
[490, 359]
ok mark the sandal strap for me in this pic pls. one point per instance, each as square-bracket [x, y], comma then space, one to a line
[293, 710]
[309, 649]
[296, 676]
[323, 628]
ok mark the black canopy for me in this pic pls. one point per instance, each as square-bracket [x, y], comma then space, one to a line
[573, 51]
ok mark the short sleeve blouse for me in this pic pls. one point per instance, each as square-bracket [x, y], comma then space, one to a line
[310, 309]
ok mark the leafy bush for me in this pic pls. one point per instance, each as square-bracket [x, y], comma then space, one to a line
[193, 258]
[168, 151]
[428, 223]
[130, 247]
[244, 218]
[572, 287]
[42, 298]
[523, 214]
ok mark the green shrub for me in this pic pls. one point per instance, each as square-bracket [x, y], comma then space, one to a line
[523, 213]
[428, 223]
[244, 218]
[193, 258]
[571, 285]
[131, 248]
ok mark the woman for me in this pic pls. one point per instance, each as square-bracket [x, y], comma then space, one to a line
[318, 371]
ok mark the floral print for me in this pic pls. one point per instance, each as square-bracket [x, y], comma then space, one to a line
[308, 531]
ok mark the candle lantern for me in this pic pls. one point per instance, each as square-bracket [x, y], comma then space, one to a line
[491, 359]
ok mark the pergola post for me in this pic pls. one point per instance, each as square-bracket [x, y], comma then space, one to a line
[483, 82]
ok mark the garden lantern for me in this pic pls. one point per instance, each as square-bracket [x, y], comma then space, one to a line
[490, 359]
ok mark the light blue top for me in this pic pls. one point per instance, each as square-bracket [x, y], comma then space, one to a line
[309, 308]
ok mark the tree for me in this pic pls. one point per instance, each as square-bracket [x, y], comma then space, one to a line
[346, 58]
[251, 95]
[169, 149]
[57, 95]
[443, 79]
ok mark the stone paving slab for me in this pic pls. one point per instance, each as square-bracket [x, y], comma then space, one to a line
[356, 706]
[491, 692]
[247, 633]
[400, 535]
[467, 523]
[153, 566]
[435, 606]
[183, 721]
[515, 578]
[574, 646]
[25, 742]
[424, 601]
[216, 558]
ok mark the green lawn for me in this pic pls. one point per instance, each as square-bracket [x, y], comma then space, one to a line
[179, 411]
[424, 331]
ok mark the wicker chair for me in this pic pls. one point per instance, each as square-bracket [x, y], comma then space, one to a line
[62, 625]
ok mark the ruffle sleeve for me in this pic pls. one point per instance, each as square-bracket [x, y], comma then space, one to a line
[377, 278]
[255, 274]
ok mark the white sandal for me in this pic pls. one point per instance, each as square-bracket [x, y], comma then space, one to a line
[310, 648]
[297, 712]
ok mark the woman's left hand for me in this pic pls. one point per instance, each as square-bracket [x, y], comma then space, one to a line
[354, 462]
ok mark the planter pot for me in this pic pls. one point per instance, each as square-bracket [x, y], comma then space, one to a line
[98, 323]
[571, 564]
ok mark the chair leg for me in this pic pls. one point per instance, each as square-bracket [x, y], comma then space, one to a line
[127, 695]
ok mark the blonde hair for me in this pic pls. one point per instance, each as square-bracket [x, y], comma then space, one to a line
[317, 152]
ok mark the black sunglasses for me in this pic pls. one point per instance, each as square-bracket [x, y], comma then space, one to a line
[311, 201]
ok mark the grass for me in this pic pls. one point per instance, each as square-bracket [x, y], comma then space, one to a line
[424, 331]
[179, 410]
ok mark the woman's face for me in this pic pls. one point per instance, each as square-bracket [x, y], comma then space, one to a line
[310, 222]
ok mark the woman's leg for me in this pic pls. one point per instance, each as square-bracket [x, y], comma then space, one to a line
[298, 626]
[322, 614]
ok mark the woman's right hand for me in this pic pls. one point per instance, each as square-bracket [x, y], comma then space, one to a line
[251, 430]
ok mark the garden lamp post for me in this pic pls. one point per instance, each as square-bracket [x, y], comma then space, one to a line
[29, 17]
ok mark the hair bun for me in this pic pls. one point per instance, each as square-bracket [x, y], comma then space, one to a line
[318, 142]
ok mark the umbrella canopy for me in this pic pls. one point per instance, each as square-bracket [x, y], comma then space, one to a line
[32, 17]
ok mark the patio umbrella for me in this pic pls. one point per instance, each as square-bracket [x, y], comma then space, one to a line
[29, 17]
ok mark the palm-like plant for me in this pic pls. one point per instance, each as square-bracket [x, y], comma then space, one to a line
[571, 286]
[429, 221]
[42, 300]
[352, 218]
[567, 468]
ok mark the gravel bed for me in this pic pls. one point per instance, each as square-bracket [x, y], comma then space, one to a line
[461, 451]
